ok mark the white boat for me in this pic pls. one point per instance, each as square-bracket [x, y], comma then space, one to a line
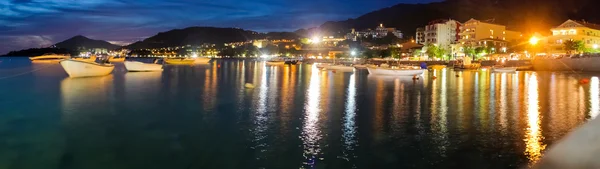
[342, 68]
[202, 60]
[504, 69]
[115, 59]
[48, 58]
[275, 63]
[322, 65]
[179, 61]
[134, 66]
[360, 66]
[395, 71]
[77, 68]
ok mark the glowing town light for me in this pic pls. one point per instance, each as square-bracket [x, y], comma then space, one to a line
[534, 40]
[353, 53]
[316, 40]
[194, 55]
[595, 46]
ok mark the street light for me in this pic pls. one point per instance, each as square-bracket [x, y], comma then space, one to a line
[534, 40]
[353, 53]
[315, 40]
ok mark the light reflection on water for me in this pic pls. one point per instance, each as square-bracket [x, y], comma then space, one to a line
[594, 97]
[311, 133]
[349, 130]
[533, 138]
[296, 117]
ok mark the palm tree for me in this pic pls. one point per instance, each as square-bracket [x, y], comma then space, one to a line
[574, 45]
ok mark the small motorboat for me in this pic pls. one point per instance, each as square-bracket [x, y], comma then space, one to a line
[275, 62]
[341, 68]
[179, 61]
[402, 71]
[291, 62]
[437, 67]
[116, 59]
[360, 66]
[202, 60]
[78, 68]
[50, 57]
[466, 64]
[134, 66]
[504, 69]
[322, 65]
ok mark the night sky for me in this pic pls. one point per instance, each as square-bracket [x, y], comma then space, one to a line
[40, 23]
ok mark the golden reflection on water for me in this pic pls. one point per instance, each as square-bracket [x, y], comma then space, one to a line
[594, 100]
[533, 138]
[210, 87]
[79, 93]
[503, 101]
[311, 133]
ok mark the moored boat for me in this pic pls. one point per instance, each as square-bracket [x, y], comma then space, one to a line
[342, 68]
[48, 58]
[202, 60]
[395, 71]
[504, 69]
[179, 61]
[134, 66]
[437, 67]
[275, 62]
[322, 65]
[77, 68]
[116, 59]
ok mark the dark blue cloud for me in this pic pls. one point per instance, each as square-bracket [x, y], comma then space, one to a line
[35, 23]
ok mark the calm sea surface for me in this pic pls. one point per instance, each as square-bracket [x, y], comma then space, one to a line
[296, 117]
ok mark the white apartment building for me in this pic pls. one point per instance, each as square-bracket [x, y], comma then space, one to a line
[443, 33]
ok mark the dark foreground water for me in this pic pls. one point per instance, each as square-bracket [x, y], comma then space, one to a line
[297, 117]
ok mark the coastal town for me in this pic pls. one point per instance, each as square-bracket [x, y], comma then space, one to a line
[443, 39]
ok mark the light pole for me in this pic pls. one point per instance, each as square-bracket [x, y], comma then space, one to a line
[533, 41]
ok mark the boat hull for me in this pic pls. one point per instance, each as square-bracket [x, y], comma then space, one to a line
[202, 61]
[395, 72]
[341, 68]
[587, 64]
[437, 67]
[504, 70]
[77, 68]
[277, 63]
[48, 59]
[142, 67]
[180, 61]
[112, 59]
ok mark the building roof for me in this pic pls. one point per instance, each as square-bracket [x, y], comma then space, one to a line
[587, 24]
[489, 21]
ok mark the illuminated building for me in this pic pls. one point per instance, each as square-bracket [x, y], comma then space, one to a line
[442, 33]
[473, 31]
[586, 32]
[420, 38]
[379, 32]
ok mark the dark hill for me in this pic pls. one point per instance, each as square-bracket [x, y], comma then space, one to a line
[522, 15]
[202, 35]
[79, 41]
